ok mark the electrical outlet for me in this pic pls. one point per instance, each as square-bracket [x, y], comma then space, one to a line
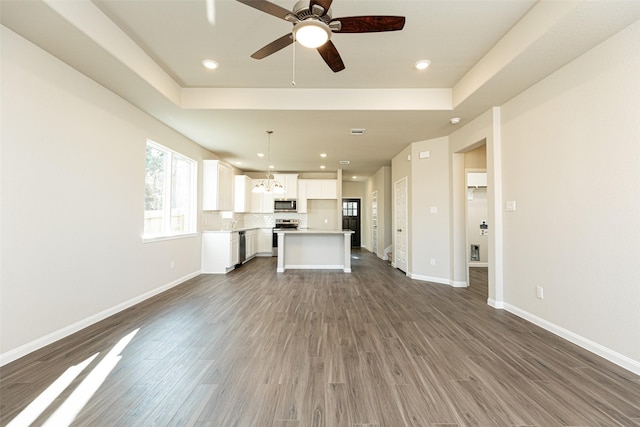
[433, 261]
[539, 292]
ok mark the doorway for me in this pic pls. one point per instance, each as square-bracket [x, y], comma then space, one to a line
[400, 225]
[351, 219]
[477, 224]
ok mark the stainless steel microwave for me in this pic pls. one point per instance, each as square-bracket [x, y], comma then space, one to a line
[285, 205]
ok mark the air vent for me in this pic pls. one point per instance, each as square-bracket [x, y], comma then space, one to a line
[344, 162]
[358, 132]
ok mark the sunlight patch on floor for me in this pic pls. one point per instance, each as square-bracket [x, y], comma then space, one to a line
[42, 402]
[71, 407]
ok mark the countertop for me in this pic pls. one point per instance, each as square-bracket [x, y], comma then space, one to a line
[313, 231]
[237, 229]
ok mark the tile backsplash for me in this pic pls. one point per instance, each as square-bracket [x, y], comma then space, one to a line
[215, 221]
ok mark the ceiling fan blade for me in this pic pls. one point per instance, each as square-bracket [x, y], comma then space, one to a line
[324, 4]
[331, 56]
[267, 7]
[273, 47]
[369, 24]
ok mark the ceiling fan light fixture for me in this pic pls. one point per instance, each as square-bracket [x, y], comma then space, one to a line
[311, 33]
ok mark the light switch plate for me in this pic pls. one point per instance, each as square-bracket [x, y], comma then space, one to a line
[434, 209]
[511, 205]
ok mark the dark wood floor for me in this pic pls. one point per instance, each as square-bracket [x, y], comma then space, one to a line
[316, 348]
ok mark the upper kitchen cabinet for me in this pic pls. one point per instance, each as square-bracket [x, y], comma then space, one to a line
[290, 183]
[242, 194]
[261, 202]
[217, 186]
[321, 188]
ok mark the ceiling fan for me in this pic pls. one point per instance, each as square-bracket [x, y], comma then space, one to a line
[312, 20]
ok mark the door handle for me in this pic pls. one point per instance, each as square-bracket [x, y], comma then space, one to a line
[399, 230]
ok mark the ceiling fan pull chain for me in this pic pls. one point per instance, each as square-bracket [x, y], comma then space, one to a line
[293, 67]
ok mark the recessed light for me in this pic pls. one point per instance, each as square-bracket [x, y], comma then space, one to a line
[272, 167]
[210, 64]
[354, 177]
[260, 154]
[322, 166]
[323, 154]
[454, 120]
[238, 162]
[358, 132]
[423, 64]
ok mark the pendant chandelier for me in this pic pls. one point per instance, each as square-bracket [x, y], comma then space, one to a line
[269, 184]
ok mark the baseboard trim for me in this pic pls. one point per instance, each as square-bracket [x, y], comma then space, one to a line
[495, 304]
[439, 280]
[36, 344]
[602, 351]
[458, 284]
[314, 267]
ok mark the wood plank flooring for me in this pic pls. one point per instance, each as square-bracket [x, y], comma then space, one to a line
[324, 348]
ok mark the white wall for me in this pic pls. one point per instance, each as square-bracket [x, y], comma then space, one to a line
[73, 158]
[430, 230]
[571, 161]
[319, 211]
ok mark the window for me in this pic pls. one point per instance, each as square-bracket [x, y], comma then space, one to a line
[350, 208]
[170, 193]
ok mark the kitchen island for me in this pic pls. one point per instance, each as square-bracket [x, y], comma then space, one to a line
[314, 249]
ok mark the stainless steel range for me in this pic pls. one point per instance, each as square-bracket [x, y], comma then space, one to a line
[282, 223]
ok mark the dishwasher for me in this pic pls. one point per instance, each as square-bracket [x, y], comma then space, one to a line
[242, 247]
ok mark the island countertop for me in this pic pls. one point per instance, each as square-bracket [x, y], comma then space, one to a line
[309, 248]
[313, 231]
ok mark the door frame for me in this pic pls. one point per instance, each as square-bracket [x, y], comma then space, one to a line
[374, 223]
[491, 136]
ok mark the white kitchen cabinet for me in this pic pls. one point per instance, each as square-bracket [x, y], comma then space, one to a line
[220, 252]
[242, 194]
[290, 183]
[302, 196]
[265, 241]
[217, 186]
[321, 189]
[261, 202]
[251, 240]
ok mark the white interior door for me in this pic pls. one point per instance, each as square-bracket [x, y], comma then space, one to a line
[400, 226]
[374, 222]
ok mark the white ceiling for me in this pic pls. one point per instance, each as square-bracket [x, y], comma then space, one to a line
[482, 52]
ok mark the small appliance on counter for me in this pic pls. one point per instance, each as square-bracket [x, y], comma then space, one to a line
[282, 224]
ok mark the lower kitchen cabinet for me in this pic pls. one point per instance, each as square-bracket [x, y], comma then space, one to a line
[265, 241]
[220, 251]
[252, 243]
